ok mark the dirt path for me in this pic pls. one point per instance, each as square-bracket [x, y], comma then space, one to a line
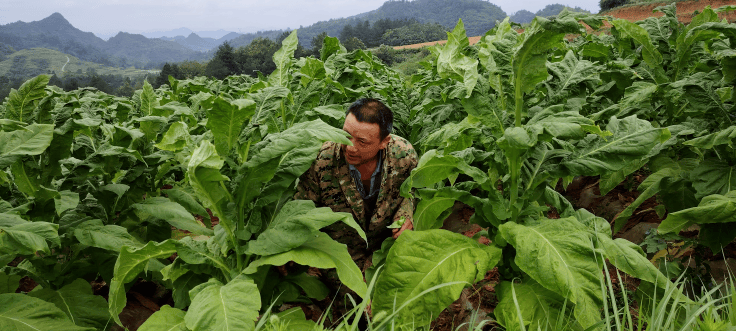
[62, 67]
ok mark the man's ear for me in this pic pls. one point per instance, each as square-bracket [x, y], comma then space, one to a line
[385, 141]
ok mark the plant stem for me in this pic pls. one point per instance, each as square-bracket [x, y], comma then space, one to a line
[514, 162]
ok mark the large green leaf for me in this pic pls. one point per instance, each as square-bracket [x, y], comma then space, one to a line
[94, 233]
[175, 138]
[20, 312]
[225, 120]
[420, 260]
[130, 263]
[78, 303]
[295, 224]
[149, 102]
[29, 141]
[650, 54]
[706, 142]
[539, 307]
[570, 72]
[203, 172]
[629, 258]
[218, 307]
[452, 62]
[713, 177]
[166, 319]
[433, 167]
[28, 238]
[330, 46]
[189, 202]
[632, 138]
[528, 61]
[283, 60]
[559, 255]
[321, 252]
[20, 105]
[712, 209]
[648, 188]
[66, 200]
[171, 212]
[9, 283]
[690, 36]
[285, 157]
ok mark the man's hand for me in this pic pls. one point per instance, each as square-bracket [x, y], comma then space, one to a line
[397, 231]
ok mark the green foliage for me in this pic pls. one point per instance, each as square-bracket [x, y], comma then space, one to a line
[91, 184]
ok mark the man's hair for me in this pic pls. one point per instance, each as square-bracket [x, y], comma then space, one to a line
[372, 110]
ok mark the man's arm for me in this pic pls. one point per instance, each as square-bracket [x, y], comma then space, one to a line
[406, 206]
[308, 187]
[405, 211]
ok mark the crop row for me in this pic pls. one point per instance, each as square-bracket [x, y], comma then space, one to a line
[497, 126]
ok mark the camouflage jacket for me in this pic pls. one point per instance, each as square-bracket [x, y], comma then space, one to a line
[328, 183]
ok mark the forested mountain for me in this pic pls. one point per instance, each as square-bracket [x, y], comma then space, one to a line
[55, 32]
[478, 17]
[202, 44]
[526, 16]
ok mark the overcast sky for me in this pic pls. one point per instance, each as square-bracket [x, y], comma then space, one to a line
[107, 17]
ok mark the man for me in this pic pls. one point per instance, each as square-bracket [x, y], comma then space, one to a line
[363, 179]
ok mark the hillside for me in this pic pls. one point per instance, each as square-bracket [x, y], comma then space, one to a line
[684, 10]
[478, 17]
[633, 13]
[36, 61]
[55, 32]
[202, 44]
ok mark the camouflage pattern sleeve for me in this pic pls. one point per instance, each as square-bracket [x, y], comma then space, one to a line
[406, 206]
[308, 188]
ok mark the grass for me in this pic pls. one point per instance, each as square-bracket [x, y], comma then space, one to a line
[55, 60]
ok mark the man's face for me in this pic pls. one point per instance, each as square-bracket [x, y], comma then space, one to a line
[365, 139]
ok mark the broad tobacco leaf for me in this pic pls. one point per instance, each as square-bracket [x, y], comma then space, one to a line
[27, 238]
[9, 283]
[716, 208]
[225, 119]
[175, 138]
[650, 54]
[284, 158]
[20, 312]
[452, 62]
[433, 167]
[528, 61]
[20, 105]
[559, 255]
[570, 72]
[94, 233]
[539, 307]
[283, 60]
[166, 319]
[171, 212]
[295, 224]
[218, 307]
[130, 263]
[420, 260]
[321, 252]
[78, 303]
[632, 138]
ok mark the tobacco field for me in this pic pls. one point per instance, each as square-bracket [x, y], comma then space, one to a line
[94, 188]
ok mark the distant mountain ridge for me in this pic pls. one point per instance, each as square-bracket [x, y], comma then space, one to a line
[202, 44]
[122, 50]
[126, 49]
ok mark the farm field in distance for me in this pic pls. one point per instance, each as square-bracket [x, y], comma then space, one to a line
[42, 59]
